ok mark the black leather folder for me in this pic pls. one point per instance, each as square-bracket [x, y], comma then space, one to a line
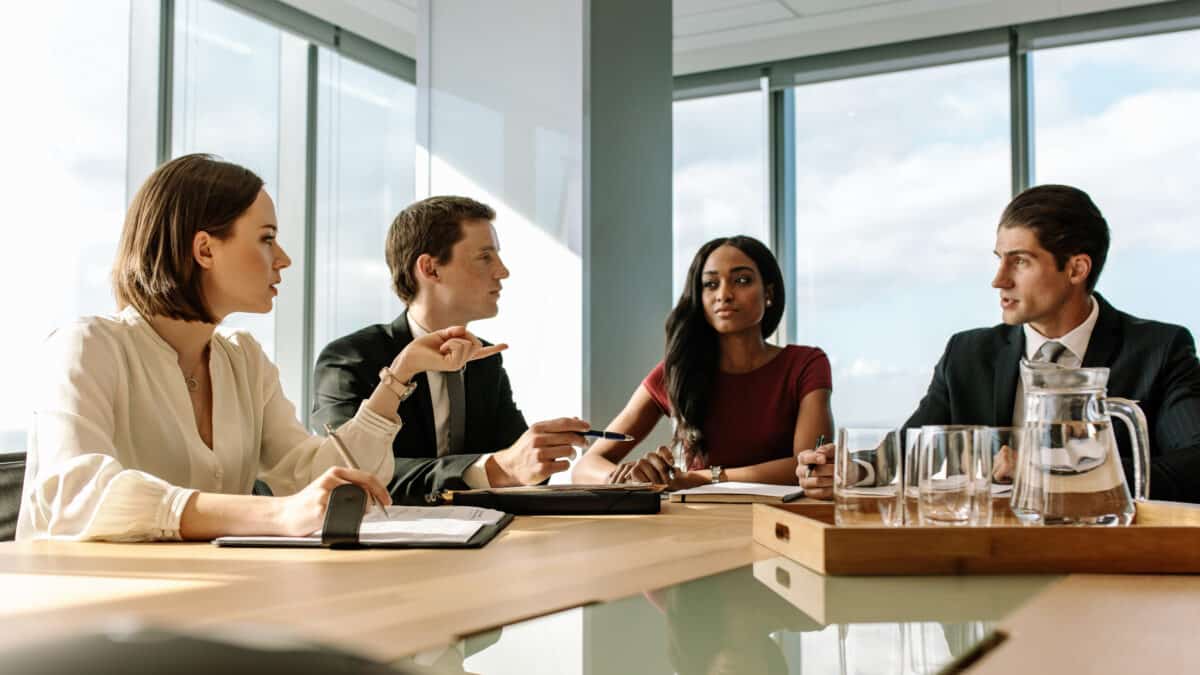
[560, 500]
[343, 517]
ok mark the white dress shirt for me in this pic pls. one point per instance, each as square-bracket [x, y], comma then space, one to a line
[1076, 343]
[476, 475]
[114, 452]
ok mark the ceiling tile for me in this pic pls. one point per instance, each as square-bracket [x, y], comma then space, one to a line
[810, 7]
[727, 19]
[688, 7]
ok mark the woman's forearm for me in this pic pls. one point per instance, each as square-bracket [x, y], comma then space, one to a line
[209, 515]
[777, 471]
[592, 468]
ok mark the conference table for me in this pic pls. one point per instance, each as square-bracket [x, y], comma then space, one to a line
[687, 590]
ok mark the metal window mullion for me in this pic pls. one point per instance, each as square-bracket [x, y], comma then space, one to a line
[781, 198]
[1020, 114]
[166, 79]
[310, 232]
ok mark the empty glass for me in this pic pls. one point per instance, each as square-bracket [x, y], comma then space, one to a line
[866, 478]
[1002, 443]
[910, 493]
[954, 478]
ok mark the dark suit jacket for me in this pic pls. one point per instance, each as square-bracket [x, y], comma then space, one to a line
[347, 371]
[1153, 363]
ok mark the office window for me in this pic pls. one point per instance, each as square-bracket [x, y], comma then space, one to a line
[900, 181]
[720, 174]
[1119, 120]
[226, 102]
[365, 176]
[63, 130]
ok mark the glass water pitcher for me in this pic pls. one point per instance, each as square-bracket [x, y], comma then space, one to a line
[1068, 469]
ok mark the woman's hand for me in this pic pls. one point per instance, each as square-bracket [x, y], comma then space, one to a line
[654, 467]
[304, 512]
[817, 481]
[448, 349]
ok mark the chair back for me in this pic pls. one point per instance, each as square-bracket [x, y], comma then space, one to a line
[12, 477]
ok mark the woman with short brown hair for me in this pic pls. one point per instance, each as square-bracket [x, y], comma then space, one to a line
[150, 424]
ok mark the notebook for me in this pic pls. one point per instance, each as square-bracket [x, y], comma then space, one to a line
[559, 500]
[397, 527]
[733, 492]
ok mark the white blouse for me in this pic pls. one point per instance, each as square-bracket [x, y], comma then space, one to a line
[114, 453]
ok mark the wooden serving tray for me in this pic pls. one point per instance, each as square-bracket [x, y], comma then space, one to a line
[845, 599]
[1164, 539]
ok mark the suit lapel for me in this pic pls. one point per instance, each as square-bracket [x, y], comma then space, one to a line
[1106, 337]
[421, 402]
[1007, 364]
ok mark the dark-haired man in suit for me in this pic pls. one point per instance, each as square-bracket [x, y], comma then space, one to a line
[1051, 245]
[460, 430]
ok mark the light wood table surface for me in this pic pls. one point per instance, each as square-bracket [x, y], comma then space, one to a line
[381, 604]
[387, 605]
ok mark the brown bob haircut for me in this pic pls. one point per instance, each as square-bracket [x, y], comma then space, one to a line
[431, 226]
[155, 270]
[1066, 221]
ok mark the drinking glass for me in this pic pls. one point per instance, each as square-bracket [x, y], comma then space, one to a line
[954, 478]
[1003, 444]
[910, 476]
[866, 478]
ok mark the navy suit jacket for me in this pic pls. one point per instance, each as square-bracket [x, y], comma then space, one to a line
[1150, 362]
[347, 371]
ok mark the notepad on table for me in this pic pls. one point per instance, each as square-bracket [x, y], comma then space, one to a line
[733, 492]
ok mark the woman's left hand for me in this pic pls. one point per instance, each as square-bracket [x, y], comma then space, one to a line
[448, 349]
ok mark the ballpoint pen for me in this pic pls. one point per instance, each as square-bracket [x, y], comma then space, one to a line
[820, 442]
[610, 435]
[349, 460]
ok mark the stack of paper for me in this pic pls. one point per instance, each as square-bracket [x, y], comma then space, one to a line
[735, 492]
[420, 524]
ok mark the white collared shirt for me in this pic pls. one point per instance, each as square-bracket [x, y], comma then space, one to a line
[1076, 343]
[476, 475]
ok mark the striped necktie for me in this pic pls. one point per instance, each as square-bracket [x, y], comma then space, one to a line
[1050, 352]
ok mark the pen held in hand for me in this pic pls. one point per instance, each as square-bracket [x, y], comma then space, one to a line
[820, 442]
[608, 435]
[348, 459]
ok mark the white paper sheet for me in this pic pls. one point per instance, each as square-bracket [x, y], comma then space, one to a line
[736, 488]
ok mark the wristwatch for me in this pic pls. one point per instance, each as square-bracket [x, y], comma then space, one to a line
[716, 473]
[388, 379]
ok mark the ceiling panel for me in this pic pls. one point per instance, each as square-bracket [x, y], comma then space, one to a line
[810, 7]
[688, 7]
[727, 19]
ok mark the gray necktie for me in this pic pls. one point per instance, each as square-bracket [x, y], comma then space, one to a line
[1050, 352]
[456, 389]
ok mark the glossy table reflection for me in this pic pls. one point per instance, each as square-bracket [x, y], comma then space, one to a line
[770, 617]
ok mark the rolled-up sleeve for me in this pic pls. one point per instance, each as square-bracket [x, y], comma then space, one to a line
[291, 458]
[91, 497]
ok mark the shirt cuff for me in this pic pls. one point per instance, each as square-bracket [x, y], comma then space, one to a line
[171, 517]
[374, 423]
[476, 475]
[868, 471]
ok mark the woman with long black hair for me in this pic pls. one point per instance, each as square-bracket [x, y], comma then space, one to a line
[743, 409]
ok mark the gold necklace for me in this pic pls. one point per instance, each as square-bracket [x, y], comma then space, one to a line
[193, 382]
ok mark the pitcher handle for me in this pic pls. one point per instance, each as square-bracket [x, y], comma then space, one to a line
[1135, 422]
